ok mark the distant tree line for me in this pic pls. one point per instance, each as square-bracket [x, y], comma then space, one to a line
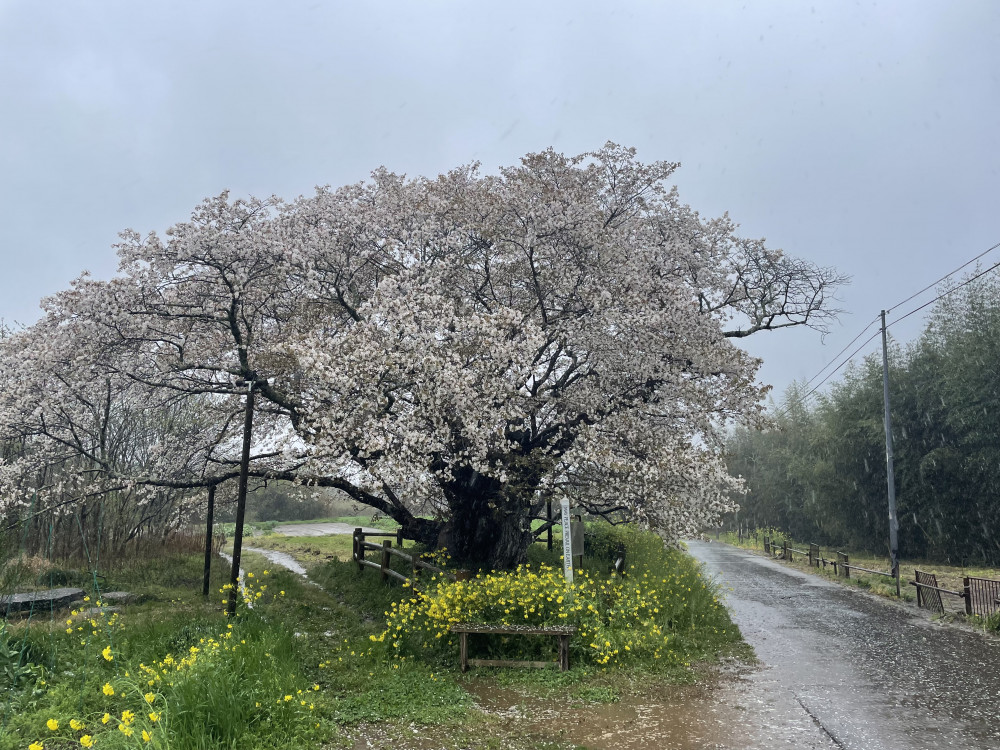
[819, 473]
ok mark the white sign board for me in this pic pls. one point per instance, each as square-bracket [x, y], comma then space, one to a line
[567, 539]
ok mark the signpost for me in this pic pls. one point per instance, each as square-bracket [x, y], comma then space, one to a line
[567, 540]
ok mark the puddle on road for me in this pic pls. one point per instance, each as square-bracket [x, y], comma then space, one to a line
[737, 709]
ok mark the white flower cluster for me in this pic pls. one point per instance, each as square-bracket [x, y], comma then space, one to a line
[559, 328]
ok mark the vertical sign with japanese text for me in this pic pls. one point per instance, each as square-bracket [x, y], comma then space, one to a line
[567, 540]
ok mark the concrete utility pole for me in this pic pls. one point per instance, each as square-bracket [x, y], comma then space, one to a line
[890, 477]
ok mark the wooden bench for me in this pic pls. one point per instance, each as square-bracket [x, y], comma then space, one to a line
[563, 632]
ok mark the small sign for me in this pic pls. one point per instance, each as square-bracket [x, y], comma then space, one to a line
[567, 539]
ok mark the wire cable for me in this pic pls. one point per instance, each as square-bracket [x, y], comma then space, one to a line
[897, 320]
[935, 283]
[945, 293]
[835, 356]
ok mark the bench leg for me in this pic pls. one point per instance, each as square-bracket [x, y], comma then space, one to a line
[463, 650]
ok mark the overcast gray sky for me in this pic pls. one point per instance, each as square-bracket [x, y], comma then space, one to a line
[862, 135]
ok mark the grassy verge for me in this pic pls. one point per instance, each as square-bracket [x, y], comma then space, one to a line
[948, 576]
[379, 522]
[309, 550]
[303, 668]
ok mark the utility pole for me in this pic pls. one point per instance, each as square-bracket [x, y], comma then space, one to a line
[208, 538]
[890, 477]
[241, 502]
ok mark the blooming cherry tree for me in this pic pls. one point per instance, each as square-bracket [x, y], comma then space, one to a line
[454, 352]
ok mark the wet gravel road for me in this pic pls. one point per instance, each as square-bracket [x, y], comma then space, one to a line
[844, 669]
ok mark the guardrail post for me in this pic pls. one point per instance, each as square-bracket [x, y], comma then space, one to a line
[359, 547]
[967, 594]
[786, 554]
[813, 555]
[386, 545]
[767, 544]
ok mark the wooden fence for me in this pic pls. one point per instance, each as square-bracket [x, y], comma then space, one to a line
[981, 595]
[842, 566]
[386, 553]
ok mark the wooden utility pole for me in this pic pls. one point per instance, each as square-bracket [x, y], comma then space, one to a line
[241, 502]
[208, 537]
[890, 477]
[548, 518]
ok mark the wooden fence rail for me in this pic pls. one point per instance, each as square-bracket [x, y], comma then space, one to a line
[981, 595]
[386, 553]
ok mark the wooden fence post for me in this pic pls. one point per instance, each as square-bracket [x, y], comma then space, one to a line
[845, 571]
[813, 555]
[767, 544]
[967, 591]
[386, 545]
[359, 547]
[786, 554]
[399, 537]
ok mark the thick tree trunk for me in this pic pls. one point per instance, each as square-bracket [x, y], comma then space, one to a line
[487, 528]
[422, 530]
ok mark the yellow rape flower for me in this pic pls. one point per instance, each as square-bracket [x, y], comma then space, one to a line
[75, 725]
[52, 724]
[107, 689]
[36, 746]
[150, 697]
[106, 718]
[146, 736]
[106, 653]
[87, 741]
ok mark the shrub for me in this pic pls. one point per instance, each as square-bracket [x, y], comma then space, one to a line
[661, 611]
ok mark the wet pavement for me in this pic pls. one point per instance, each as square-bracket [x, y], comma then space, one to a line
[279, 558]
[844, 669]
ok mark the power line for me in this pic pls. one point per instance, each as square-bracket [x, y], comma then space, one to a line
[946, 293]
[897, 320]
[835, 356]
[935, 283]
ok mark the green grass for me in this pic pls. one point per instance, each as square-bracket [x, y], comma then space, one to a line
[382, 522]
[309, 635]
[308, 550]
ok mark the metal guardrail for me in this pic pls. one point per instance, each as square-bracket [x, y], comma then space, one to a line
[982, 595]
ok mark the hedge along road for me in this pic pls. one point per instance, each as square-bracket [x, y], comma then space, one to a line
[866, 673]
